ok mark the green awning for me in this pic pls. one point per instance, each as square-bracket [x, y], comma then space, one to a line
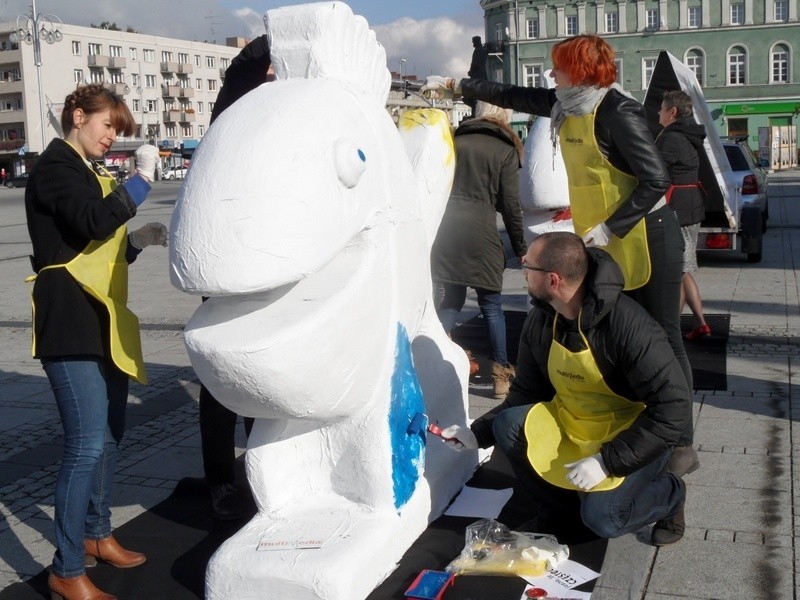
[761, 108]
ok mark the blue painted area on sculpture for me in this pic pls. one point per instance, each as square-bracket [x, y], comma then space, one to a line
[408, 444]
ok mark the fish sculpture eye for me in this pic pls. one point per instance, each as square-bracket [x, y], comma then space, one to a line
[350, 162]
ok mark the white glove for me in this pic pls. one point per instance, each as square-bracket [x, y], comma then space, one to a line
[587, 472]
[146, 159]
[599, 235]
[440, 85]
[459, 438]
[149, 235]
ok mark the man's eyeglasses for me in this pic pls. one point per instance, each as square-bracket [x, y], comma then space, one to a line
[541, 270]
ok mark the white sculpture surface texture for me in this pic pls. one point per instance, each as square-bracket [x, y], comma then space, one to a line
[543, 187]
[307, 218]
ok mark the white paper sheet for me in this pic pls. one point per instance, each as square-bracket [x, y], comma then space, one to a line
[479, 503]
[559, 581]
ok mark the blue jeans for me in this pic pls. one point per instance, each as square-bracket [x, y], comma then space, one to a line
[646, 495]
[491, 308]
[91, 395]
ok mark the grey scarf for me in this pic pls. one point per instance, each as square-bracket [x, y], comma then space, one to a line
[575, 102]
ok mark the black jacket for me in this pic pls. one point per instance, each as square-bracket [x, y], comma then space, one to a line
[679, 143]
[621, 132]
[247, 71]
[631, 351]
[468, 249]
[65, 210]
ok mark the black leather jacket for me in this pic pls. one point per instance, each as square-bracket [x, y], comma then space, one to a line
[621, 132]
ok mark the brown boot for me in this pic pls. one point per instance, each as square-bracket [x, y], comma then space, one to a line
[474, 367]
[108, 550]
[75, 588]
[502, 377]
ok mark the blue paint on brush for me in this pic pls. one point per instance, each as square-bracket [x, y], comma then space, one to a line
[406, 413]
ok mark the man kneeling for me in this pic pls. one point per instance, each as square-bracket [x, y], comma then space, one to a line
[598, 401]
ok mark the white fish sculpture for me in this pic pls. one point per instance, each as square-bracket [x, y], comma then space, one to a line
[320, 321]
[543, 187]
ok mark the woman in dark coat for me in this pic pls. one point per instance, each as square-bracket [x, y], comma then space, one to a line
[678, 143]
[468, 251]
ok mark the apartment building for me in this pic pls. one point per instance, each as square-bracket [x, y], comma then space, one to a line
[169, 85]
[743, 52]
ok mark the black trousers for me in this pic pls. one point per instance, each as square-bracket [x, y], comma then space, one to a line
[661, 296]
[217, 432]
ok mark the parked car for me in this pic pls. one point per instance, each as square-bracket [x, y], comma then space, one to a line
[172, 173]
[751, 179]
[18, 181]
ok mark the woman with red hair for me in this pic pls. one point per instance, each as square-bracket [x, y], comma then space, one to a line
[617, 180]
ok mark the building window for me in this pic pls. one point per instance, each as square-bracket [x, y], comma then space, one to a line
[572, 24]
[612, 23]
[115, 51]
[77, 75]
[210, 62]
[117, 77]
[135, 105]
[199, 108]
[532, 76]
[196, 60]
[200, 130]
[737, 66]
[497, 75]
[170, 130]
[210, 107]
[696, 63]
[198, 84]
[150, 81]
[648, 66]
[532, 28]
[135, 79]
[737, 127]
[186, 131]
[166, 56]
[618, 64]
[779, 58]
[95, 49]
[651, 15]
[212, 85]
[96, 76]
[737, 13]
[76, 48]
[152, 106]
[183, 58]
[149, 55]
[695, 19]
[133, 54]
[223, 63]
[781, 10]
[498, 33]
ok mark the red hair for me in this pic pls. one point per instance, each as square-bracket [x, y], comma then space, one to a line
[587, 59]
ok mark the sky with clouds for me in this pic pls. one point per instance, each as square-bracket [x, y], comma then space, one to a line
[433, 36]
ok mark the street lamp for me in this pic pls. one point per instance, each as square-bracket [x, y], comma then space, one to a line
[34, 28]
[402, 62]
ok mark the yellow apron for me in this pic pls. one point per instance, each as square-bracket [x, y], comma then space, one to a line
[102, 272]
[583, 415]
[596, 189]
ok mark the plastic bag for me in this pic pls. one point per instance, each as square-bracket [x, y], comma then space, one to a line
[493, 549]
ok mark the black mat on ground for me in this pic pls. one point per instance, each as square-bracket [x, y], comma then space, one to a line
[707, 355]
[444, 540]
[179, 536]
